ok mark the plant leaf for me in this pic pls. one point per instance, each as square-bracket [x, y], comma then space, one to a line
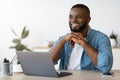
[12, 47]
[14, 32]
[25, 34]
[19, 47]
[27, 49]
[23, 31]
[16, 41]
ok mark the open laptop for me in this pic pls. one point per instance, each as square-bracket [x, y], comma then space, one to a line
[38, 64]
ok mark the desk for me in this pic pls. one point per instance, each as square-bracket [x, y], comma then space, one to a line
[77, 75]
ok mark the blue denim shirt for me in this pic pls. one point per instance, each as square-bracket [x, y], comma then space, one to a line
[97, 40]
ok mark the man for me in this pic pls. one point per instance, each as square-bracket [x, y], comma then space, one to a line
[83, 48]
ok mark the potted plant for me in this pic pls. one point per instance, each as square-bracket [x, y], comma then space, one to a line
[19, 46]
[113, 39]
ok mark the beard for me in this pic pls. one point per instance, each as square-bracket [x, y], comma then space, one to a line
[80, 29]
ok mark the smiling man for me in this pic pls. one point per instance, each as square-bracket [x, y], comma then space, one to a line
[84, 48]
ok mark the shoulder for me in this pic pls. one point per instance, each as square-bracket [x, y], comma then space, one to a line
[97, 33]
[60, 37]
[96, 36]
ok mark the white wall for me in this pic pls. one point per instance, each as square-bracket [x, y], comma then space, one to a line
[47, 19]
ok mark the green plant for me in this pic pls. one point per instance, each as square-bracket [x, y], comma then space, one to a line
[113, 36]
[19, 46]
[18, 40]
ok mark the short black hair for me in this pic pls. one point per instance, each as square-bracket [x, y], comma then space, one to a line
[81, 6]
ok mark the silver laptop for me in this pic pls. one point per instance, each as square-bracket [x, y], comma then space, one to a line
[38, 64]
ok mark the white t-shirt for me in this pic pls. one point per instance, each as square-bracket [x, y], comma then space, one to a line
[75, 58]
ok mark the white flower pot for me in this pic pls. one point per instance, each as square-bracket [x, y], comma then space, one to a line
[113, 42]
[17, 68]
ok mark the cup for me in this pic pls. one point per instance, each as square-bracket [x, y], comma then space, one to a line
[7, 69]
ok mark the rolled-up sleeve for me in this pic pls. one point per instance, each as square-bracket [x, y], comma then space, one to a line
[56, 42]
[105, 57]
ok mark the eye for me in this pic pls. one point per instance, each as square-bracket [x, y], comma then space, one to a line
[70, 17]
[79, 16]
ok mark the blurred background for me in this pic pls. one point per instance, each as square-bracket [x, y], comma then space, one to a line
[48, 19]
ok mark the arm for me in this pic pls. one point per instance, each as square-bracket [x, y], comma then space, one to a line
[105, 57]
[101, 56]
[91, 52]
[55, 51]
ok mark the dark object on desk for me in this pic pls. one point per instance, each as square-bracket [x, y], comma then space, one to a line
[5, 60]
[62, 74]
[6, 67]
[108, 74]
[38, 64]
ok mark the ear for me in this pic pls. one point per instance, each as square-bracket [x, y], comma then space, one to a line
[89, 19]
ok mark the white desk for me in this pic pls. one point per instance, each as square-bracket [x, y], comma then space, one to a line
[77, 75]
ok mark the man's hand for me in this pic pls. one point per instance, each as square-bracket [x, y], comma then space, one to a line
[74, 37]
[72, 43]
[77, 38]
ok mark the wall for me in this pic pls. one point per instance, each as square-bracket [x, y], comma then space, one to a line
[47, 19]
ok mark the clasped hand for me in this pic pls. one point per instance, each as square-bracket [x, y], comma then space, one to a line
[75, 37]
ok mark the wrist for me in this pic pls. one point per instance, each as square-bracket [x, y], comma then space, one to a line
[64, 39]
[82, 42]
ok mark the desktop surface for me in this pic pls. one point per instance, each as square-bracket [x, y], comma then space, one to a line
[77, 75]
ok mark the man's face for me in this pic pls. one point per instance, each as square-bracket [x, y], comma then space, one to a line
[78, 19]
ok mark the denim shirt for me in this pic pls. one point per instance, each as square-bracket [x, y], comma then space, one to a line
[98, 41]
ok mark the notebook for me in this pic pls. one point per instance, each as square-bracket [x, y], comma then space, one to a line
[38, 64]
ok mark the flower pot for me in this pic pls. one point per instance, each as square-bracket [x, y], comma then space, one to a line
[113, 42]
[17, 68]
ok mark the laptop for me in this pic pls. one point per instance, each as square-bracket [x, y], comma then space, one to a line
[38, 64]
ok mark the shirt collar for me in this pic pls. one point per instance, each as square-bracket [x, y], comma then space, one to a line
[88, 33]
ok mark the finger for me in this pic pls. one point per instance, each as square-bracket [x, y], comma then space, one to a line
[71, 43]
[77, 34]
[75, 40]
[68, 37]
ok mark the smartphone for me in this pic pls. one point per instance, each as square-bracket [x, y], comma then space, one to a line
[110, 74]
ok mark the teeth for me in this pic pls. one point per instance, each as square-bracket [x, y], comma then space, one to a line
[75, 25]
